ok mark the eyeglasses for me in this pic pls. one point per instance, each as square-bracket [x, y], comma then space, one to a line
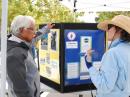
[110, 26]
[32, 29]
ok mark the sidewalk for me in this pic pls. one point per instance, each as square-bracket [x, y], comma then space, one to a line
[50, 92]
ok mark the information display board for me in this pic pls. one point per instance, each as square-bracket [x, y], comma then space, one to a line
[61, 55]
[77, 42]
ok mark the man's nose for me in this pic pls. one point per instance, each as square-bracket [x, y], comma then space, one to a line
[34, 35]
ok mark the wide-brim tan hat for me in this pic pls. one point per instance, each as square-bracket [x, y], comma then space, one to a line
[119, 20]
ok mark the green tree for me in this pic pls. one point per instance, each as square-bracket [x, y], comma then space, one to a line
[42, 10]
[109, 15]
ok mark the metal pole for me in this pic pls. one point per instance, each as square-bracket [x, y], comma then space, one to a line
[74, 10]
[80, 95]
[3, 46]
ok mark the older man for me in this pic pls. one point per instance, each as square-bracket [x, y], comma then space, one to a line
[22, 73]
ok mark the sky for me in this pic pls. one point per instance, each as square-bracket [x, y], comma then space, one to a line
[90, 7]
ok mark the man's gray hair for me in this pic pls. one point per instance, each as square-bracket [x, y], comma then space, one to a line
[20, 21]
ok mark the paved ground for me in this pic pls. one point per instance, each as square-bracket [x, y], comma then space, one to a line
[49, 92]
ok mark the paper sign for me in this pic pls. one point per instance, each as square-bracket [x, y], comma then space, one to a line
[72, 70]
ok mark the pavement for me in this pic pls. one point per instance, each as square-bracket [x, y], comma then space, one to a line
[50, 92]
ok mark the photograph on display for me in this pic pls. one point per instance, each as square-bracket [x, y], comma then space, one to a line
[44, 42]
[54, 39]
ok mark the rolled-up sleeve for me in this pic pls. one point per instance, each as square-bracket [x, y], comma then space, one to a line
[105, 78]
[40, 33]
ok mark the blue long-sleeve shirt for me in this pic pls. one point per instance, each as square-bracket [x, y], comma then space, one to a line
[113, 78]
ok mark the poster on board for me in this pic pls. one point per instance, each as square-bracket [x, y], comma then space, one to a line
[49, 56]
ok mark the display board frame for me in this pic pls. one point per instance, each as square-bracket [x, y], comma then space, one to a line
[61, 87]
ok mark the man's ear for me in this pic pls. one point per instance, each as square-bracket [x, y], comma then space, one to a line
[21, 30]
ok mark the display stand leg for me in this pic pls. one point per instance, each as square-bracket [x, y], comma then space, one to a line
[80, 95]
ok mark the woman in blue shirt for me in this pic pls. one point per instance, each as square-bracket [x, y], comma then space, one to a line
[113, 78]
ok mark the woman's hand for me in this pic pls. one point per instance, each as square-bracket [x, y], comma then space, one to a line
[88, 55]
[88, 58]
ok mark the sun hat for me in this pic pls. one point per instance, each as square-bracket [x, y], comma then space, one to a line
[119, 20]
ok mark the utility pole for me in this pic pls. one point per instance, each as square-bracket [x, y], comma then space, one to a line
[3, 46]
[74, 10]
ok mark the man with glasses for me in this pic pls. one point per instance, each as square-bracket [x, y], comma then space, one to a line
[22, 74]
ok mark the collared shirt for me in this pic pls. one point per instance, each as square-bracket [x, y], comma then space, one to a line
[113, 78]
[14, 38]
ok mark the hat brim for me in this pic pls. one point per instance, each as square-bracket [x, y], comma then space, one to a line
[120, 21]
[104, 25]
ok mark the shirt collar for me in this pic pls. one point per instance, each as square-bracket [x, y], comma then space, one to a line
[16, 39]
[115, 42]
